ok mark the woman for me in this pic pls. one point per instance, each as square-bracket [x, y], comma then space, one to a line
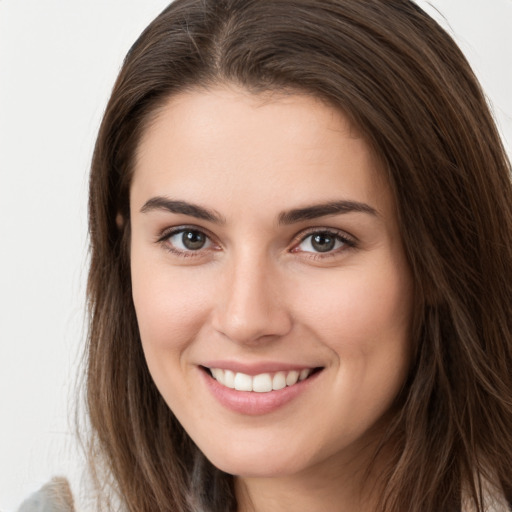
[300, 216]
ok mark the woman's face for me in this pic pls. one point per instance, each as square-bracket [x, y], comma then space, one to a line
[265, 254]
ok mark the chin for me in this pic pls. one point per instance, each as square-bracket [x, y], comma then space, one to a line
[260, 467]
[255, 460]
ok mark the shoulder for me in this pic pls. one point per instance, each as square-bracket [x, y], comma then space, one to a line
[55, 496]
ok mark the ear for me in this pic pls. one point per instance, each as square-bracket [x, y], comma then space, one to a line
[119, 221]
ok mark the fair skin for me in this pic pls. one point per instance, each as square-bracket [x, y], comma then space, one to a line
[239, 266]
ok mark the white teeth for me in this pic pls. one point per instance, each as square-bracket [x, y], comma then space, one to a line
[218, 374]
[243, 382]
[261, 383]
[229, 379]
[304, 374]
[292, 378]
[279, 381]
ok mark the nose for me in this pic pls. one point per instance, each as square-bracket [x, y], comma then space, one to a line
[251, 305]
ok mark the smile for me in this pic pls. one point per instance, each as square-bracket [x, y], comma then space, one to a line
[265, 388]
[261, 383]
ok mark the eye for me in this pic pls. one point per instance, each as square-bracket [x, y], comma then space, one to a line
[323, 242]
[186, 240]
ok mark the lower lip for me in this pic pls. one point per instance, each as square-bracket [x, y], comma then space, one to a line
[252, 403]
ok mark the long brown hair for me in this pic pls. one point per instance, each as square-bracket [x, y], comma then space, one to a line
[406, 86]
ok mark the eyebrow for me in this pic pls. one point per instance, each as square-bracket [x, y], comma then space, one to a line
[284, 218]
[183, 207]
[324, 209]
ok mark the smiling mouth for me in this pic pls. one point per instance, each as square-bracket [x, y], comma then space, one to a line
[261, 383]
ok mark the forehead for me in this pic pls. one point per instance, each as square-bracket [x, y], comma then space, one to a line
[227, 142]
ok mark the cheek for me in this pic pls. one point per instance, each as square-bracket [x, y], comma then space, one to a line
[171, 305]
[171, 310]
[364, 319]
[359, 308]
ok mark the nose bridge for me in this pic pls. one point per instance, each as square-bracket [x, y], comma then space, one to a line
[251, 307]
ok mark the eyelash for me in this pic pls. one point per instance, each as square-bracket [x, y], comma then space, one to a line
[339, 236]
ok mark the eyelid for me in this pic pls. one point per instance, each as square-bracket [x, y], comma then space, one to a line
[165, 233]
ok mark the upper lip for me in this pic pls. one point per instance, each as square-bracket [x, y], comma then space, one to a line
[257, 368]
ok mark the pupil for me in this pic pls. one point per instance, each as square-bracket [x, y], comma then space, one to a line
[193, 240]
[323, 243]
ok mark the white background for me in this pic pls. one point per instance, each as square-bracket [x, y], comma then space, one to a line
[58, 61]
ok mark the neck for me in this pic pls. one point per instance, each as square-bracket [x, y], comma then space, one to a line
[328, 486]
